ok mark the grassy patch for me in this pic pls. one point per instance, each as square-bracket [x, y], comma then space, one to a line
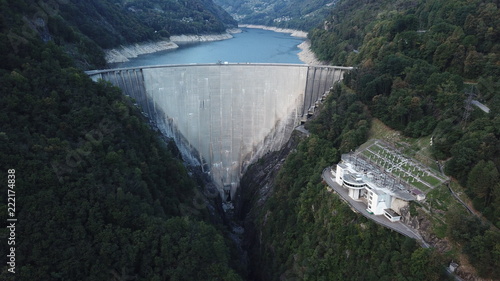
[422, 187]
[417, 149]
[377, 149]
[431, 180]
[439, 228]
[380, 131]
[440, 198]
[367, 154]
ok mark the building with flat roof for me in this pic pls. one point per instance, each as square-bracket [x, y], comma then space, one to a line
[382, 196]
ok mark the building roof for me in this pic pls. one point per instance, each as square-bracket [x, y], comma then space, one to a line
[354, 178]
[375, 179]
[392, 213]
[376, 191]
[416, 191]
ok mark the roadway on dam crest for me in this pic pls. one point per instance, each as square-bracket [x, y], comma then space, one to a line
[224, 117]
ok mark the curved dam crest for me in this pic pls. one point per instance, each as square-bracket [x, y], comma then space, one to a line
[224, 117]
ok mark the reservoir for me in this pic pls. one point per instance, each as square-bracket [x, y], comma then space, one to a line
[250, 46]
[225, 116]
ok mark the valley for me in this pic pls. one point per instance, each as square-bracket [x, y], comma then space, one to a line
[104, 194]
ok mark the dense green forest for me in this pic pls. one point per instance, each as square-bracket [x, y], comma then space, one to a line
[302, 15]
[417, 64]
[99, 195]
[307, 233]
[303, 232]
[84, 28]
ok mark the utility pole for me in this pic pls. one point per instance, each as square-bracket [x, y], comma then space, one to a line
[470, 91]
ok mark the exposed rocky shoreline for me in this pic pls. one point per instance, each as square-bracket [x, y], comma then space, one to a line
[204, 38]
[124, 53]
[293, 32]
[306, 55]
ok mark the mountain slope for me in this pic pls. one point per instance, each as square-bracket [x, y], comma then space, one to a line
[413, 61]
[420, 64]
[109, 22]
[98, 194]
[416, 63]
[84, 28]
[304, 232]
[294, 14]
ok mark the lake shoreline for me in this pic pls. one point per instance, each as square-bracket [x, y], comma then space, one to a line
[293, 32]
[306, 55]
[126, 52]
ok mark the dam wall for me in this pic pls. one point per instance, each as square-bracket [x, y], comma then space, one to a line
[319, 81]
[223, 117]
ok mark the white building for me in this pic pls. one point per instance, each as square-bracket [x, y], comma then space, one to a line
[362, 186]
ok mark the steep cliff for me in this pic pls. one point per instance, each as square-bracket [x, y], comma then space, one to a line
[256, 189]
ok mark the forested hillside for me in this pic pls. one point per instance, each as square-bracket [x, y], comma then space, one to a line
[302, 15]
[84, 28]
[109, 22]
[304, 232]
[101, 196]
[416, 63]
[98, 194]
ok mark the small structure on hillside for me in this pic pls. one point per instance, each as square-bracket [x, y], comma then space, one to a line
[381, 194]
[418, 194]
[452, 267]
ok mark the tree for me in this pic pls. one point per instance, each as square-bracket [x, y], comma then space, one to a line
[481, 180]
[473, 64]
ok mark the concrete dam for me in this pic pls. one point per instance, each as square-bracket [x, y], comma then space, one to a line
[224, 117]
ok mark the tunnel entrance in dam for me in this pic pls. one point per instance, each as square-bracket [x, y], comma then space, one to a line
[224, 117]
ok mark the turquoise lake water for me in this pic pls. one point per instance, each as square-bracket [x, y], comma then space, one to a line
[250, 46]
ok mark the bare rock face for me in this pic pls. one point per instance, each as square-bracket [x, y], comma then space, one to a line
[124, 53]
[423, 225]
[256, 188]
[408, 219]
